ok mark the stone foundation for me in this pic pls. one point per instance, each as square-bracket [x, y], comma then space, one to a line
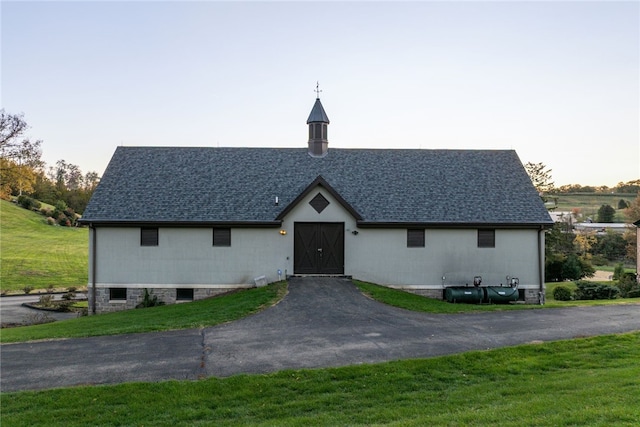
[136, 295]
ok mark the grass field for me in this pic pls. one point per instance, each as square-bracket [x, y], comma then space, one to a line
[582, 382]
[589, 203]
[38, 255]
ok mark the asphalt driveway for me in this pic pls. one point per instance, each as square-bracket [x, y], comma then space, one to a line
[322, 322]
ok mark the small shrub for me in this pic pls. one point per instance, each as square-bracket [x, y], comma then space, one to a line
[149, 300]
[28, 203]
[39, 318]
[628, 284]
[64, 306]
[618, 271]
[27, 289]
[562, 293]
[68, 296]
[72, 289]
[60, 205]
[64, 221]
[635, 293]
[46, 301]
[593, 290]
[46, 211]
[51, 221]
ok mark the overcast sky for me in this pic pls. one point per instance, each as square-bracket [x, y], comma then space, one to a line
[556, 81]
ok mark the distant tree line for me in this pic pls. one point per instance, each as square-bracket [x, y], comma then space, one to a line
[541, 178]
[23, 173]
[631, 187]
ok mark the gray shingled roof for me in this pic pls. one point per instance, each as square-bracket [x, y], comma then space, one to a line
[202, 184]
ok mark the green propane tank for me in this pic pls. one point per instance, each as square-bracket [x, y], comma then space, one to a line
[501, 295]
[464, 294]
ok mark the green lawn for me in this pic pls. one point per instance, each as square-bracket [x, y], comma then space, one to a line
[587, 382]
[414, 302]
[38, 255]
[207, 312]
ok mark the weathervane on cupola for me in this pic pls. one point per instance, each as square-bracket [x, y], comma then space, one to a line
[318, 121]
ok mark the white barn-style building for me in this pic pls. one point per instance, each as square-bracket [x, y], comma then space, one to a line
[191, 222]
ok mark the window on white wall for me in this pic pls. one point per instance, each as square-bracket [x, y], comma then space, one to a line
[486, 238]
[149, 236]
[415, 238]
[221, 237]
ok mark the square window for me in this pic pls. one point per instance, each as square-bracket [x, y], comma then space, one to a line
[117, 294]
[486, 238]
[148, 236]
[221, 237]
[184, 294]
[415, 238]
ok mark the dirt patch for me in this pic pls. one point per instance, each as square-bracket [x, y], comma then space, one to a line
[600, 276]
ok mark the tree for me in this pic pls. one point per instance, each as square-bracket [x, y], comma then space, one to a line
[558, 240]
[19, 156]
[623, 204]
[628, 187]
[606, 213]
[633, 211]
[611, 245]
[540, 178]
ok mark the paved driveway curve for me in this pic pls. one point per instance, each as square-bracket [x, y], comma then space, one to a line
[321, 322]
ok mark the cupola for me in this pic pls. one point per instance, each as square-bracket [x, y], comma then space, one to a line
[318, 122]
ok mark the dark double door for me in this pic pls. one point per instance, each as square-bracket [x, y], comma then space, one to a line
[318, 248]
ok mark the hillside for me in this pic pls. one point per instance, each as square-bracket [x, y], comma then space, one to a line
[35, 254]
[589, 203]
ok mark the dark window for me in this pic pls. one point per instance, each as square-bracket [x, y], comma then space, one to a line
[317, 132]
[118, 294]
[324, 132]
[415, 238]
[148, 237]
[311, 131]
[486, 238]
[221, 237]
[184, 294]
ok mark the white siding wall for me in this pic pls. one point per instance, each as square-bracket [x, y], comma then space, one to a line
[186, 256]
[383, 258]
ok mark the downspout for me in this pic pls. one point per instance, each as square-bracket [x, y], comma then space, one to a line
[93, 268]
[541, 266]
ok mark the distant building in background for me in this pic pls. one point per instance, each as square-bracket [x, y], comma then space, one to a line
[602, 227]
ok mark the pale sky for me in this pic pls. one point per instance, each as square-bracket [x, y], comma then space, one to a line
[556, 81]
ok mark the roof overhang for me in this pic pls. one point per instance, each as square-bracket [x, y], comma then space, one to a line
[449, 225]
[186, 224]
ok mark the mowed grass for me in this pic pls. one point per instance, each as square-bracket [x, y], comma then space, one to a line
[589, 203]
[202, 313]
[38, 255]
[415, 302]
[594, 382]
